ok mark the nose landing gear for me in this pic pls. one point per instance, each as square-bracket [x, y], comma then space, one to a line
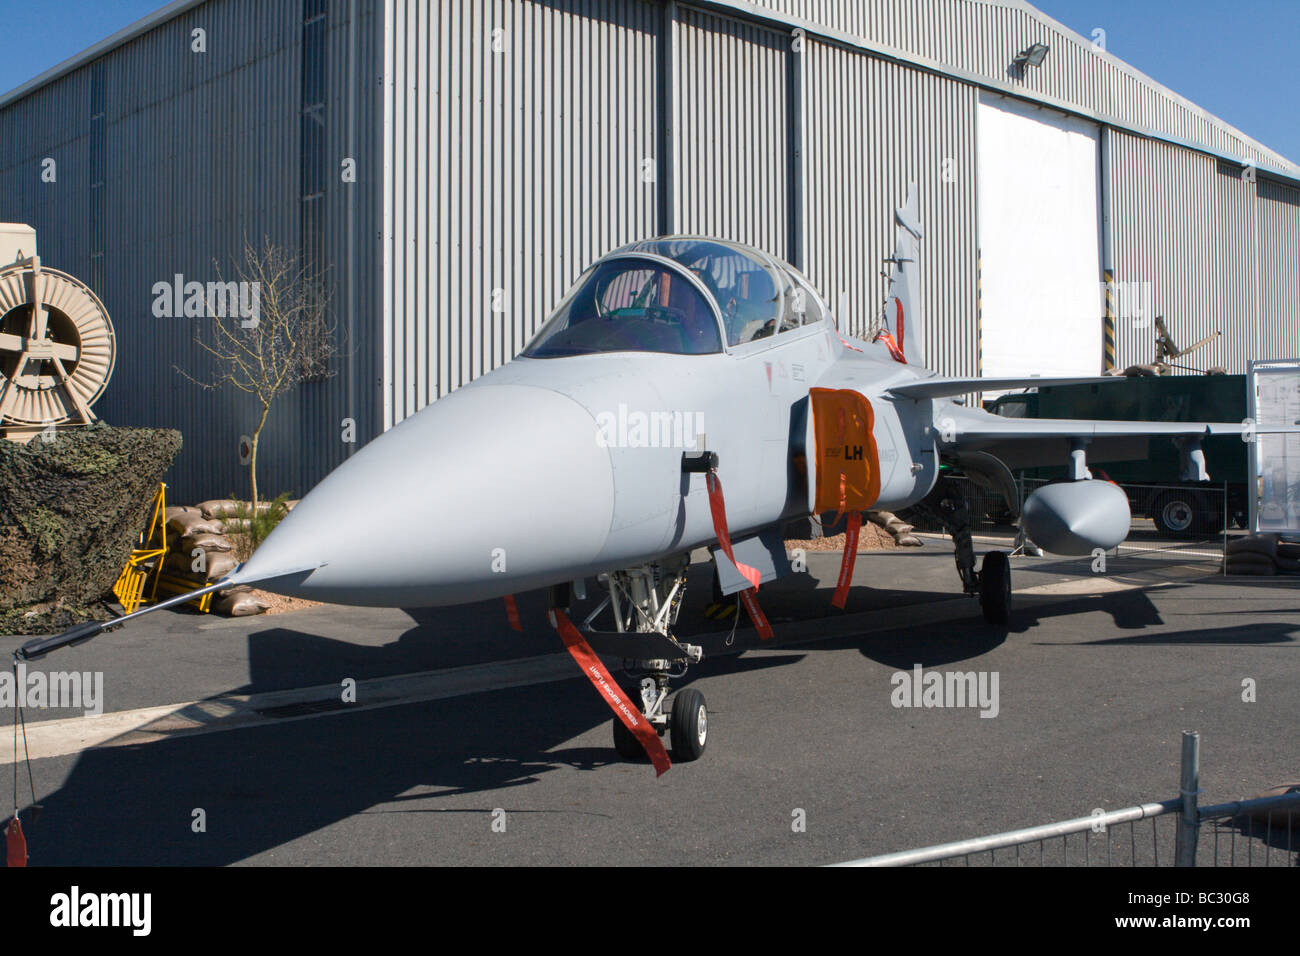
[638, 614]
[687, 723]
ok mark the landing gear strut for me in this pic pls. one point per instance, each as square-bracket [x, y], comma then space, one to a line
[992, 583]
[642, 605]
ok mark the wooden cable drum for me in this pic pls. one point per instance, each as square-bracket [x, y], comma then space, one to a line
[57, 347]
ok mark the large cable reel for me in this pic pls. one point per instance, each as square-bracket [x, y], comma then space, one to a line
[57, 346]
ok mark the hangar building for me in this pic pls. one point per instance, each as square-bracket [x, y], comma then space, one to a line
[457, 164]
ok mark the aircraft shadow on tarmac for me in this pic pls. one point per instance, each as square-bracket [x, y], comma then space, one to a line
[267, 785]
[1265, 839]
[1133, 610]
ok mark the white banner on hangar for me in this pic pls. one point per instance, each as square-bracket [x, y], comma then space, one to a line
[1273, 400]
[1039, 244]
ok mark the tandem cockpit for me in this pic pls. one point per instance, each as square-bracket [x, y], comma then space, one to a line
[681, 296]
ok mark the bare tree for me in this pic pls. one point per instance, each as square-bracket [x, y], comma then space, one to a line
[271, 329]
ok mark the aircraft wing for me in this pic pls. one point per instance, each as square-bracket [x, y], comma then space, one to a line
[1031, 442]
[943, 387]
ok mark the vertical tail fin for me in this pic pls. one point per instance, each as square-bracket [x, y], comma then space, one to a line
[903, 306]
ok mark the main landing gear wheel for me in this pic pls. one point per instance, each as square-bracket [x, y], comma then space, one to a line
[995, 588]
[689, 725]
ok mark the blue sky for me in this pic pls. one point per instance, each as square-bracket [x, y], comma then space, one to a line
[1239, 61]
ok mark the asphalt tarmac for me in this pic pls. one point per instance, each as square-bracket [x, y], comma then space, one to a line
[470, 743]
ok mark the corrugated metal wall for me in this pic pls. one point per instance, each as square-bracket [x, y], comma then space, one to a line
[352, 226]
[482, 239]
[980, 37]
[872, 127]
[731, 145]
[503, 146]
[1185, 225]
[1279, 229]
[521, 147]
[199, 151]
[549, 169]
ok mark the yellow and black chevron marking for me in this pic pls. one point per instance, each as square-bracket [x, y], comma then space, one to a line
[1108, 322]
[979, 311]
[719, 612]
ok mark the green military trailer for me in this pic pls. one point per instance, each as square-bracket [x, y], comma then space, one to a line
[1154, 483]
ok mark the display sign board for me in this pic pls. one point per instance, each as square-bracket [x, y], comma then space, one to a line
[1274, 403]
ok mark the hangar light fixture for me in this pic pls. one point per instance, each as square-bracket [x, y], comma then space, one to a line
[1033, 56]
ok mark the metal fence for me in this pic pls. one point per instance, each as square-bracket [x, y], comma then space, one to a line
[1264, 831]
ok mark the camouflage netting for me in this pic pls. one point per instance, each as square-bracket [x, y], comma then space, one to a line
[71, 510]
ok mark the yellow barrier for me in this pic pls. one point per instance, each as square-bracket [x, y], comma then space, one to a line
[174, 585]
[130, 585]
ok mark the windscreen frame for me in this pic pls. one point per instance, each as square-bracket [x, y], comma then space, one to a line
[645, 257]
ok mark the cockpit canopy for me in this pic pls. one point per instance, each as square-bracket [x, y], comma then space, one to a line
[669, 295]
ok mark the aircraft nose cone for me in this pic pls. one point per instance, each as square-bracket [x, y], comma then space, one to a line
[491, 490]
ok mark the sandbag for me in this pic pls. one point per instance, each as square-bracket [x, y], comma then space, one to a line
[174, 511]
[204, 542]
[891, 522]
[1287, 565]
[1265, 544]
[1249, 557]
[238, 604]
[1246, 563]
[219, 507]
[185, 524]
[221, 563]
[218, 564]
[1289, 550]
[230, 508]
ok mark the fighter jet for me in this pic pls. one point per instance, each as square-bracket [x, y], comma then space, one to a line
[675, 368]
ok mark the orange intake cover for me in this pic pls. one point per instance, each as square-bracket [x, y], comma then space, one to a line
[847, 462]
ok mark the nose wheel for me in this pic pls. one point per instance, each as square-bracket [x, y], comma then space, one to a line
[687, 721]
[690, 725]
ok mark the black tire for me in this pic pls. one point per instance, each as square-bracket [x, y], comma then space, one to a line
[995, 588]
[1179, 512]
[625, 742]
[689, 725]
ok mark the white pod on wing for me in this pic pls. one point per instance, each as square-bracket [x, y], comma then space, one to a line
[1076, 517]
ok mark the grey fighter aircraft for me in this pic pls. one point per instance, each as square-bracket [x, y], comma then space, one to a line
[674, 366]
